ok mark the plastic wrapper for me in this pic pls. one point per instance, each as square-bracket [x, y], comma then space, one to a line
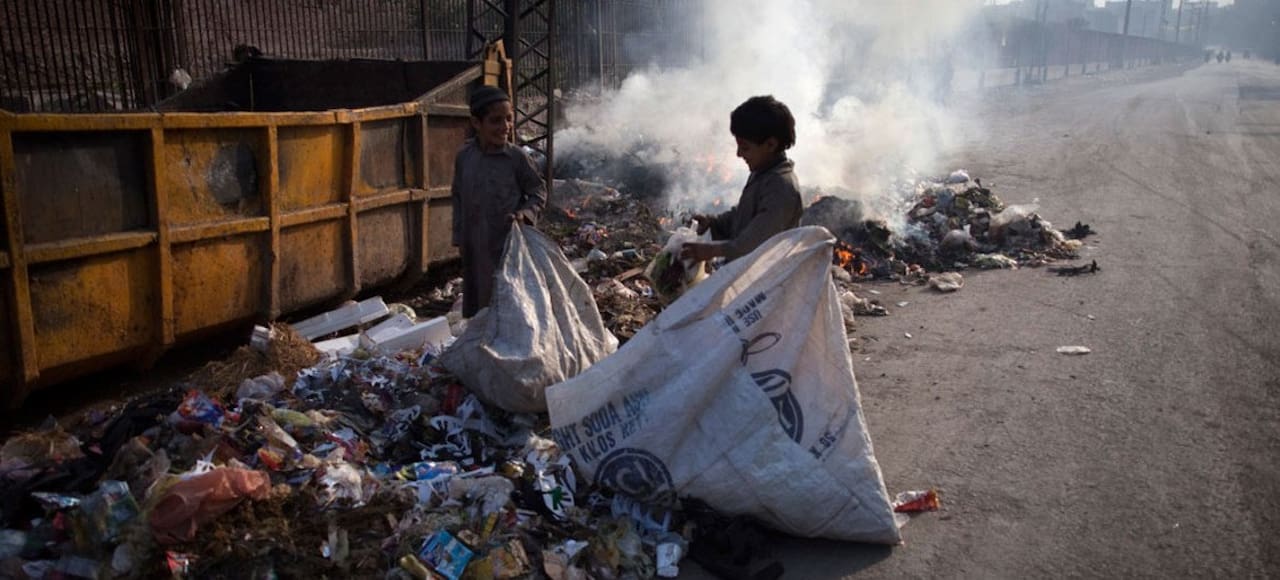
[445, 555]
[196, 411]
[343, 481]
[261, 388]
[105, 512]
[670, 275]
[200, 498]
[917, 501]
[669, 555]
[427, 470]
[946, 282]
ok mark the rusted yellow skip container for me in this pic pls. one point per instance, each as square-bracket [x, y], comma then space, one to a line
[127, 233]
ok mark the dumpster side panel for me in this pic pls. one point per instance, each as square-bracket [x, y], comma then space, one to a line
[311, 159]
[440, 231]
[80, 184]
[446, 133]
[313, 267]
[93, 306]
[383, 156]
[445, 136]
[213, 174]
[385, 241]
[219, 281]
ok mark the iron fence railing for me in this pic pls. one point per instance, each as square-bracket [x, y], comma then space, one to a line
[101, 55]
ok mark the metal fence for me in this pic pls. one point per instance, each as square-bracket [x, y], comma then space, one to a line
[100, 55]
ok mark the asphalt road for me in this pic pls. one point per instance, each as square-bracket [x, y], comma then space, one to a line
[1158, 455]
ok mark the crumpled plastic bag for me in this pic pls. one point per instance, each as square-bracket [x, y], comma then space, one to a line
[671, 276]
[201, 498]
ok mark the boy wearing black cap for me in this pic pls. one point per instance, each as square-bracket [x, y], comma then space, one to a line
[494, 184]
[770, 202]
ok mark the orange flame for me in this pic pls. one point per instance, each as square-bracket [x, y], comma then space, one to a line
[850, 258]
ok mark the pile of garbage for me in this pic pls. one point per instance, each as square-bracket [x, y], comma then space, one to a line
[364, 464]
[610, 238]
[340, 446]
[950, 223]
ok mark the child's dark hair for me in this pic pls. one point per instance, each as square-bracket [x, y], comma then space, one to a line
[763, 117]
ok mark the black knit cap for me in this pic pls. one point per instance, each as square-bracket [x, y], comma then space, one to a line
[482, 97]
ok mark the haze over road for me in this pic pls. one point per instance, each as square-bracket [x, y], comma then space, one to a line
[1158, 455]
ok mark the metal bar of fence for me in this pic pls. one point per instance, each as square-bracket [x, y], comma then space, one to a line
[13, 65]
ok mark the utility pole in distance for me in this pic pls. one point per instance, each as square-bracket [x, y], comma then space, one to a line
[1177, 31]
[1124, 56]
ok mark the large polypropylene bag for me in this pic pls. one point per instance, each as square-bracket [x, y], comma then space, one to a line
[542, 326]
[741, 394]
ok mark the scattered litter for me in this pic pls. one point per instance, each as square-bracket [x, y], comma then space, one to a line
[1089, 268]
[907, 334]
[1079, 232]
[446, 555]
[1074, 350]
[994, 262]
[342, 318]
[946, 282]
[917, 501]
[903, 304]
[199, 498]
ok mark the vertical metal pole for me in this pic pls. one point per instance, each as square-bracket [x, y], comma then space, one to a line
[426, 30]
[13, 46]
[551, 95]
[511, 38]
[1164, 8]
[1177, 30]
[600, 40]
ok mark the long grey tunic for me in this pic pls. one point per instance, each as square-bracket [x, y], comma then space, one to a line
[488, 187]
[770, 204]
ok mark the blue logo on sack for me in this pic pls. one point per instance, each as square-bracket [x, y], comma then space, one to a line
[777, 386]
[637, 474]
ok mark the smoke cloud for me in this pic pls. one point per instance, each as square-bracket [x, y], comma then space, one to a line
[862, 78]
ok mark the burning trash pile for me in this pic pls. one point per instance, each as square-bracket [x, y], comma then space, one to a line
[948, 224]
[365, 464]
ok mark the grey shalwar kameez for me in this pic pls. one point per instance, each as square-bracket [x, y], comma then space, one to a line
[487, 188]
[770, 204]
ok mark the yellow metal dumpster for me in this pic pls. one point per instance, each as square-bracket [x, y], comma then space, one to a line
[273, 187]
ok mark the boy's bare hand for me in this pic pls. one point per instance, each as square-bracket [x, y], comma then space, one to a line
[701, 252]
[524, 216]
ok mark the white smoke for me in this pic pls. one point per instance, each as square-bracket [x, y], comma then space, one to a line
[850, 70]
